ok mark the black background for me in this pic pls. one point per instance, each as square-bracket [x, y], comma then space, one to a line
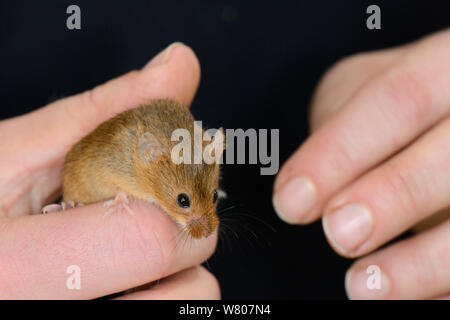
[260, 63]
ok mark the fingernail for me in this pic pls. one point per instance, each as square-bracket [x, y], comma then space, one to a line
[295, 199]
[348, 227]
[366, 283]
[164, 55]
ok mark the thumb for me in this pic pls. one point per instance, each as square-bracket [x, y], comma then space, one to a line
[174, 73]
[34, 145]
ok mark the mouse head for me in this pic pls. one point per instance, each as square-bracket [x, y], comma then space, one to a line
[187, 192]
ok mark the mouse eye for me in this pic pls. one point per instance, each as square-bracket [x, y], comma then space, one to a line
[183, 200]
[216, 196]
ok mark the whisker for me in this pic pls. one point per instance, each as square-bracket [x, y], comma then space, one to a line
[225, 239]
[245, 226]
[181, 235]
[229, 208]
[186, 238]
[257, 219]
[231, 230]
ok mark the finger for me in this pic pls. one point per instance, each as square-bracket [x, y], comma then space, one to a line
[34, 145]
[415, 268]
[114, 252]
[345, 78]
[192, 284]
[446, 297]
[393, 197]
[432, 221]
[382, 117]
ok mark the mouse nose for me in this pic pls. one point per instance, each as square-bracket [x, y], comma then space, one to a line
[200, 226]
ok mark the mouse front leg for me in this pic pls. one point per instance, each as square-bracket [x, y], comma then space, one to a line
[120, 202]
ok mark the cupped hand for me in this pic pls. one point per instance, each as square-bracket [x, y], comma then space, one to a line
[112, 253]
[378, 163]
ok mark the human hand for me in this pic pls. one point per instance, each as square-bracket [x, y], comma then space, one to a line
[378, 163]
[114, 253]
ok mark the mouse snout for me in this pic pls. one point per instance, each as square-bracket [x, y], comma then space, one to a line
[201, 226]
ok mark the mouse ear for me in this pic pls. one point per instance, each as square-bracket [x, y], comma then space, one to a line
[223, 136]
[150, 148]
[214, 150]
[213, 135]
[218, 139]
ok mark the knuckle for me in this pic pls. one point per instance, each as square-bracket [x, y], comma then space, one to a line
[84, 107]
[407, 91]
[95, 101]
[346, 156]
[337, 84]
[92, 99]
[403, 184]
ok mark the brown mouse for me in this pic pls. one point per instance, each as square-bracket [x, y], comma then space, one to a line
[130, 155]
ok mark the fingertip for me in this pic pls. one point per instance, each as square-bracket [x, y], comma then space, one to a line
[163, 56]
[295, 200]
[347, 280]
[331, 241]
[367, 282]
[347, 228]
[177, 52]
[174, 73]
[184, 63]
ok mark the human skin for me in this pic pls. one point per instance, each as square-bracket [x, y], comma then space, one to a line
[114, 252]
[376, 164]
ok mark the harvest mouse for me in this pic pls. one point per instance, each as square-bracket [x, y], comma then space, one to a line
[130, 155]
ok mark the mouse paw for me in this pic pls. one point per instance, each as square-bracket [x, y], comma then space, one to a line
[120, 203]
[55, 207]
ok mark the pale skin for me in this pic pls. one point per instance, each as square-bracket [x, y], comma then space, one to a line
[380, 131]
[376, 164]
[114, 252]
